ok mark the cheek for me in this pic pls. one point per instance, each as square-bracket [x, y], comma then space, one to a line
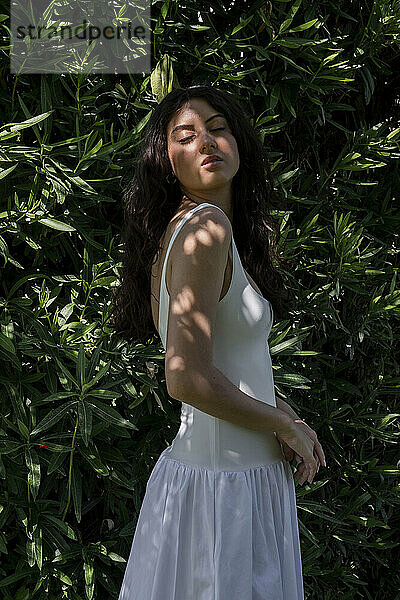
[173, 155]
[183, 158]
[170, 155]
[234, 152]
[235, 147]
[232, 147]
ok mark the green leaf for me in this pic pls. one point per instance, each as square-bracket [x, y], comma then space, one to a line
[5, 172]
[33, 465]
[103, 371]
[29, 116]
[393, 133]
[53, 398]
[84, 185]
[85, 418]
[304, 26]
[55, 224]
[54, 539]
[293, 379]
[286, 176]
[23, 429]
[162, 78]
[116, 557]
[56, 461]
[94, 460]
[164, 9]
[108, 414]
[198, 27]
[7, 344]
[62, 577]
[52, 417]
[76, 490]
[6, 581]
[89, 571]
[346, 386]
[66, 372]
[242, 24]
[292, 12]
[15, 127]
[38, 547]
[291, 62]
[81, 365]
[105, 394]
[61, 526]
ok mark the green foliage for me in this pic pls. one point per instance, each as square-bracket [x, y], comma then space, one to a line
[83, 416]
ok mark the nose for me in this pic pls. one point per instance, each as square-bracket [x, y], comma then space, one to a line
[207, 140]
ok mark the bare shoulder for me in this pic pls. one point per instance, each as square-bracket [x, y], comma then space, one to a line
[207, 228]
[207, 219]
[199, 258]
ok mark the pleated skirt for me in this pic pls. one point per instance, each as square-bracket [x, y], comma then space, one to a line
[204, 534]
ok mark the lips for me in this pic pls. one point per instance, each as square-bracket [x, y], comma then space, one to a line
[211, 158]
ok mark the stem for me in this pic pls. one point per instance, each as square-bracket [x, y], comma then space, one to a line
[70, 468]
[29, 502]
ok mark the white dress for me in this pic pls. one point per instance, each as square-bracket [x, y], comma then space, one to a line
[218, 520]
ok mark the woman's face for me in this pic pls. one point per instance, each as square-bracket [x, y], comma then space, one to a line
[203, 134]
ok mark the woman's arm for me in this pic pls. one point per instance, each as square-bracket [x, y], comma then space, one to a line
[288, 452]
[282, 405]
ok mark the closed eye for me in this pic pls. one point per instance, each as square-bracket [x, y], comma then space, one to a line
[184, 140]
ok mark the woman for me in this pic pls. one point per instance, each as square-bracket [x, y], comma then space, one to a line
[218, 520]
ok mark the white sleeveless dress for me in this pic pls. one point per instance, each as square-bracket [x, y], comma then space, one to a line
[218, 520]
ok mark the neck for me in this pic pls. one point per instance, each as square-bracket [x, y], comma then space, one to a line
[196, 199]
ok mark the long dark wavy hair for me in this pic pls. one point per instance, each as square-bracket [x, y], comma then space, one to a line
[150, 203]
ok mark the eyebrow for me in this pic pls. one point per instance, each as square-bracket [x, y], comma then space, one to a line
[184, 126]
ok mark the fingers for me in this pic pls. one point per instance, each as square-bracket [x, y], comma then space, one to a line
[314, 437]
[306, 471]
[317, 460]
[320, 453]
[302, 473]
[289, 454]
[286, 454]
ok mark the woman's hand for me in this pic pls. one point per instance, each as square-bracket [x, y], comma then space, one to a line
[309, 465]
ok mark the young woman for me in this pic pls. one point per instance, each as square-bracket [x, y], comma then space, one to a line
[218, 520]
